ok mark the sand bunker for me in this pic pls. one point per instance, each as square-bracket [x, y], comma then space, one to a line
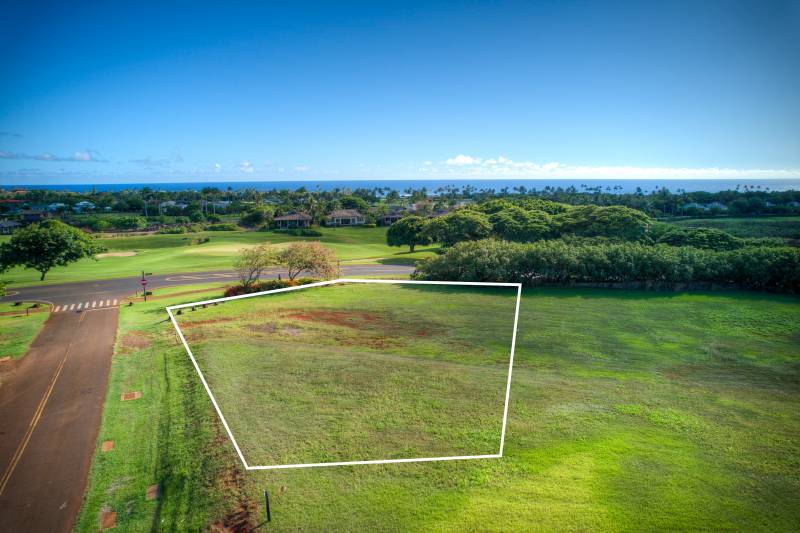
[115, 254]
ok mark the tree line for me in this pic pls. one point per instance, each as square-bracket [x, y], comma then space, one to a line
[659, 202]
[560, 262]
[530, 220]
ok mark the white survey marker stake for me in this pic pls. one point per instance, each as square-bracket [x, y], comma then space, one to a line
[499, 454]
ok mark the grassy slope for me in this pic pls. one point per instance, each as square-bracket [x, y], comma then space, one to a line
[781, 227]
[168, 436]
[630, 411]
[163, 254]
[18, 331]
[361, 371]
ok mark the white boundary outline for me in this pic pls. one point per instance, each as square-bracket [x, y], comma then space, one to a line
[356, 280]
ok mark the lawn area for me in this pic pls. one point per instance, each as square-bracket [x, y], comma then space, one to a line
[366, 371]
[780, 227]
[629, 411]
[18, 330]
[163, 254]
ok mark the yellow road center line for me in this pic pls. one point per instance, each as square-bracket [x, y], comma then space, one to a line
[34, 421]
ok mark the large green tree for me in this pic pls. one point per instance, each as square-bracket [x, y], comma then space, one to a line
[517, 224]
[461, 225]
[408, 231]
[45, 245]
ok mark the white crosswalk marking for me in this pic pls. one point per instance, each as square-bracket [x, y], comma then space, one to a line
[92, 304]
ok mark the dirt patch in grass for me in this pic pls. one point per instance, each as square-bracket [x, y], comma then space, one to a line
[134, 341]
[262, 328]
[392, 330]
[240, 518]
[348, 319]
[195, 323]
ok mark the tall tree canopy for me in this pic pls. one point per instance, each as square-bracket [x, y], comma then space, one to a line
[408, 231]
[45, 245]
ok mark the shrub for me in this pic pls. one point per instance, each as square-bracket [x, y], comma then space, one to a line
[370, 225]
[267, 285]
[300, 232]
[173, 230]
[708, 238]
[226, 226]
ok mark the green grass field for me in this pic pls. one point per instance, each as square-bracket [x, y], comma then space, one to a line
[18, 330]
[357, 372]
[629, 411]
[163, 254]
[780, 227]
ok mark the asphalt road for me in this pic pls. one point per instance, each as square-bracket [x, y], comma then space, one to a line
[111, 289]
[51, 404]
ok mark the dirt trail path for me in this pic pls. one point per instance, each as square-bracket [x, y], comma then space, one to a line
[50, 411]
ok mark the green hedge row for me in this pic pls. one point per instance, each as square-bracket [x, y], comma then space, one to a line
[761, 268]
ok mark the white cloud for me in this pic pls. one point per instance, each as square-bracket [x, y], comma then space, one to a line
[83, 155]
[217, 168]
[503, 167]
[301, 168]
[245, 166]
[462, 160]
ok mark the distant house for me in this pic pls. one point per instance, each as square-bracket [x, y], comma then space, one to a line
[56, 206]
[293, 220]
[10, 205]
[220, 205]
[692, 206]
[171, 205]
[392, 216]
[345, 217]
[85, 205]
[716, 206]
[33, 215]
[7, 227]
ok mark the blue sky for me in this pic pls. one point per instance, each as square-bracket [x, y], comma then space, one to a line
[174, 91]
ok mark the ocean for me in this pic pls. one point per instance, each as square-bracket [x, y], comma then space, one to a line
[618, 186]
